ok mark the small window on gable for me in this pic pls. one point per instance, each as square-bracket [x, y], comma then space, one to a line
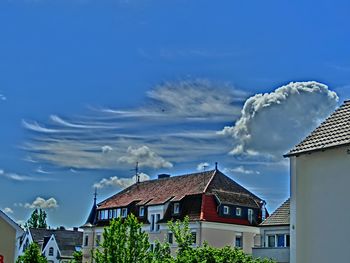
[238, 211]
[176, 208]
[51, 251]
[86, 241]
[170, 238]
[226, 210]
[124, 212]
[142, 211]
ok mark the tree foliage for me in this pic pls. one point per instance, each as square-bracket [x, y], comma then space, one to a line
[125, 242]
[77, 257]
[32, 255]
[37, 219]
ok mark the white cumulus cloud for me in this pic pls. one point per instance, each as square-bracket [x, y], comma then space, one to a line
[118, 182]
[271, 123]
[145, 157]
[202, 166]
[40, 202]
[8, 210]
[106, 149]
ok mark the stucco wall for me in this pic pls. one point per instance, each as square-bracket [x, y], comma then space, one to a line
[320, 199]
[7, 241]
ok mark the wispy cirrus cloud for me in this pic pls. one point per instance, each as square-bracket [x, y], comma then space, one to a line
[241, 170]
[2, 97]
[8, 210]
[21, 178]
[175, 117]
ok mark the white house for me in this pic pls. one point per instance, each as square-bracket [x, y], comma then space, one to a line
[57, 245]
[275, 235]
[320, 180]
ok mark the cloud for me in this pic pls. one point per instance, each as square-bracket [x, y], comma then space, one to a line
[202, 166]
[8, 210]
[271, 123]
[145, 157]
[2, 97]
[115, 181]
[40, 202]
[241, 170]
[175, 117]
[20, 178]
[106, 149]
[40, 170]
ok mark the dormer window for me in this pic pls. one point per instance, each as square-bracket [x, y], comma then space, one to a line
[238, 211]
[226, 210]
[51, 251]
[176, 208]
[141, 211]
[124, 212]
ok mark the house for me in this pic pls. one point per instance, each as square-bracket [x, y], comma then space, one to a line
[319, 176]
[10, 234]
[275, 235]
[57, 245]
[221, 211]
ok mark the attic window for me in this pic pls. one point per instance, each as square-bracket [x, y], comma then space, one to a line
[226, 210]
[51, 251]
[142, 211]
[124, 212]
[176, 208]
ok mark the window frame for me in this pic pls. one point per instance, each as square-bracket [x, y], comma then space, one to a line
[176, 208]
[226, 210]
[142, 208]
[51, 252]
[124, 215]
[238, 211]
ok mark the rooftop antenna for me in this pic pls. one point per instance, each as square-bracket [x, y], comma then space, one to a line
[95, 196]
[216, 166]
[205, 167]
[137, 173]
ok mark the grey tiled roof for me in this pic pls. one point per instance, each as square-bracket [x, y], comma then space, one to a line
[334, 131]
[280, 216]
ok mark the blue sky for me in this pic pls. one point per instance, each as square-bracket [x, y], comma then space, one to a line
[89, 87]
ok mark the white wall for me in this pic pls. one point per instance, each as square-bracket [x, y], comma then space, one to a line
[320, 184]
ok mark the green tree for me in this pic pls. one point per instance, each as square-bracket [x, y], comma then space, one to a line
[124, 242]
[77, 257]
[32, 255]
[37, 219]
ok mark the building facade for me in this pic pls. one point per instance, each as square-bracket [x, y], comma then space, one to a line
[319, 172]
[10, 236]
[275, 235]
[57, 245]
[221, 212]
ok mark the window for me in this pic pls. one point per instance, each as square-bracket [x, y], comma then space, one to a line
[287, 240]
[194, 238]
[226, 210]
[170, 238]
[238, 211]
[151, 247]
[86, 241]
[51, 251]
[142, 211]
[280, 241]
[110, 214]
[176, 208]
[250, 215]
[152, 222]
[271, 241]
[98, 240]
[114, 213]
[124, 212]
[239, 241]
[157, 220]
[118, 212]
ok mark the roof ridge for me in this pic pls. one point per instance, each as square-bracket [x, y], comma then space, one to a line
[210, 180]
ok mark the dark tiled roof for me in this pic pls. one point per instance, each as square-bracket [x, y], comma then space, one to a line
[67, 240]
[280, 217]
[334, 131]
[159, 191]
[177, 187]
